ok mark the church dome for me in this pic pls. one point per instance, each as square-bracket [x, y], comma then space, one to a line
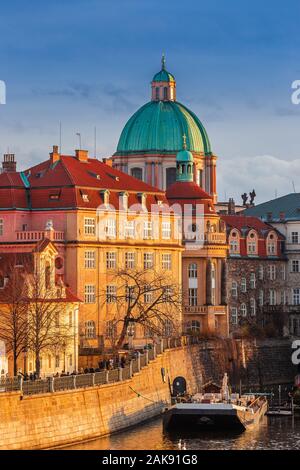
[158, 127]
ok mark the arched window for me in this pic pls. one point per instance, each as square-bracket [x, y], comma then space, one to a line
[234, 243]
[137, 173]
[171, 176]
[192, 270]
[272, 244]
[157, 93]
[165, 93]
[193, 326]
[252, 243]
[243, 310]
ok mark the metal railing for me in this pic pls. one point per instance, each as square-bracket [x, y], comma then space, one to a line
[72, 382]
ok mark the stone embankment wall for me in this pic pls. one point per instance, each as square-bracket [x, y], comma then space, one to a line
[58, 419]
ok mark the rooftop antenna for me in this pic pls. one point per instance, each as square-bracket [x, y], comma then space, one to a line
[293, 186]
[95, 141]
[79, 137]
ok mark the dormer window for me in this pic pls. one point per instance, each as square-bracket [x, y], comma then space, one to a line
[234, 243]
[252, 243]
[105, 196]
[123, 201]
[272, 244]
[142, 199]
[54, 196]
[85, 196]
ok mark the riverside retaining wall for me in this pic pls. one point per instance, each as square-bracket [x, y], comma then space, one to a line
[58, 419]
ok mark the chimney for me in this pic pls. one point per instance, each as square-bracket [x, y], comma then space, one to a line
[231, 206]
[282, 216]
[82, 155]
[54, 155]
[107, 161]
[9, 164]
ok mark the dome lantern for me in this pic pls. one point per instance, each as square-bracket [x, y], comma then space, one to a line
[163, 84]
[184, 164]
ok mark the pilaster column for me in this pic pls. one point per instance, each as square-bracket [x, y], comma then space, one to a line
[224, 276]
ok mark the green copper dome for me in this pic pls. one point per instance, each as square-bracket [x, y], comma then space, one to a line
[158, 127]
[163, 76]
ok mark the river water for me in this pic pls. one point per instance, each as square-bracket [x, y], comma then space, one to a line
[272, 433]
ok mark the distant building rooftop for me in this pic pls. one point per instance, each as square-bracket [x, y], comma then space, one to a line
[281, 209]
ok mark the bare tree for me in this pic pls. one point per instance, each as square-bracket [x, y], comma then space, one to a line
[13, 307]
[144, 297]
[47, 326]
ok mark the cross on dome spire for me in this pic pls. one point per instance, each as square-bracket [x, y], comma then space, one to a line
[163, 61]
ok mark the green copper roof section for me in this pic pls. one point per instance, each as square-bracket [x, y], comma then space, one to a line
[163, 76]
[158, 127]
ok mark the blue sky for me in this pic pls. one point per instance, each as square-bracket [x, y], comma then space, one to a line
[90, 62]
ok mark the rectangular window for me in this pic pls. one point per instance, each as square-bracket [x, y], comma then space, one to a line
[243, 284]
[296, 296]
[272, 297]
[295, 237]
[57, 361]
[166, 230]
[89, 259]
[283, 297]
[234, 315]
[252, 281]
[261, 273]
[147, 296]
[130, 260]
[89, 226]
[234, 289]
[261, 298]
[90, 329]
[295, 266]
[272, 272]
[147, 230]
[148, 260]
[111, 228]
[129, 229]
[193, 297]
[111, 294]
[111, 260]
[1, 227]
[283, 272]
[166, 261]
[89, 294]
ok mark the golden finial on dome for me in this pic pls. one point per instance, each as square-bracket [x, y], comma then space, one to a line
[163, 61]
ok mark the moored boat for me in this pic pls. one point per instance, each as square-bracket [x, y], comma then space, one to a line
[215, 411]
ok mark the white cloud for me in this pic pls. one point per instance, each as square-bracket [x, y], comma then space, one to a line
[268, 175]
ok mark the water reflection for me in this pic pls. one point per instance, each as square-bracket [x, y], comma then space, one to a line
[273, 433]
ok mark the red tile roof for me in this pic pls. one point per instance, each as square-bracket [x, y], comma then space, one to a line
[244, 224]
[190, 193]
[62, 184]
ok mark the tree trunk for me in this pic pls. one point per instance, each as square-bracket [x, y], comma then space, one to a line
[15, 359]
[122, 335]
[38, 365]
